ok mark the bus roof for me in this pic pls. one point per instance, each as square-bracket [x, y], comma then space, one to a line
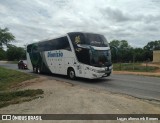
[63, 36]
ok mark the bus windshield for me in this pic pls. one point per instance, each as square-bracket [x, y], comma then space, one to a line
[83, 42]
[88, 39]
[96, 40]
[100, 58]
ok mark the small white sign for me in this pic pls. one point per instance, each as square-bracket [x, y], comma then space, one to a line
[6, 117]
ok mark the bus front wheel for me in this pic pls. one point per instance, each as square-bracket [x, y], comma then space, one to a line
[71, 73]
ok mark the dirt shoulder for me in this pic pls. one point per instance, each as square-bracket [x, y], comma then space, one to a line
[63, 98]
[156, 73]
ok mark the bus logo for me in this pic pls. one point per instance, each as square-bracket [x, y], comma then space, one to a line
[56, 54]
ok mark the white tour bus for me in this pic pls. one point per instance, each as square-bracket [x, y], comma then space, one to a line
[77, 54]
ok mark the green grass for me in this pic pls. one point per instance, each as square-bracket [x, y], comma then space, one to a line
[12, 62]
[136, 67]
[7, 98]
[9, 79]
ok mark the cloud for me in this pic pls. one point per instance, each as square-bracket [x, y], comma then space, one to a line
[135, 21]
[114, 15]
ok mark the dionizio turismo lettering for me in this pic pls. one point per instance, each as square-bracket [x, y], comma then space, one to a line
[56, 54]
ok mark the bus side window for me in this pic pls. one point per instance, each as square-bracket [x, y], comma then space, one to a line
[55, 44]
[34, 49]
[63, 44]
[66, 44]
[29, 48]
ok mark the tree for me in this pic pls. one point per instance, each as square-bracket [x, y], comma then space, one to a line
[124, 44]
[153, 45]
[114, 45]
[148, 49]
[2, 54]
[138, 54]
[15, 53]
[5, 37]
[121, 51]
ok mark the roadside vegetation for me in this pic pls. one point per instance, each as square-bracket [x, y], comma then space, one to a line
[15, 97]
[8, 80]
[11, 52]
[13, 62]
[134, 67]
[124, 53]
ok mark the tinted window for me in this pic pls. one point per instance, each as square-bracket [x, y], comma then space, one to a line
[83, 55]
[62, 43]
[29, 48]
[96, 40]
[32, 48]
[77, 38]
[88, 39]
[44, 46]
[81, 43]
[55, 44]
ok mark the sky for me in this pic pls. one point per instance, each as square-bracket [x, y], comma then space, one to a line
[137, 21]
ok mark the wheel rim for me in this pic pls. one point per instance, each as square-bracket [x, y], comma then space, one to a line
[71, 74]
[34, 70]
[38, 70]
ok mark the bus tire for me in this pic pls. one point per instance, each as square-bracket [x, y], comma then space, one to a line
[71, 73]
[38, 70]
[34, 69]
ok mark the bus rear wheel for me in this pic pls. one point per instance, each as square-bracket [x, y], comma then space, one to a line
[38, 70]
[71, 73]
[34, 69]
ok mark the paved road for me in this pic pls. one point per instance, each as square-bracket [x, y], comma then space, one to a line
[137, 86]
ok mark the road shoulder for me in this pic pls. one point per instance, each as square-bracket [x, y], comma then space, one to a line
[63, 98]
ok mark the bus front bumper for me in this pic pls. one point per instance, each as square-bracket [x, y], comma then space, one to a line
[101, 72]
